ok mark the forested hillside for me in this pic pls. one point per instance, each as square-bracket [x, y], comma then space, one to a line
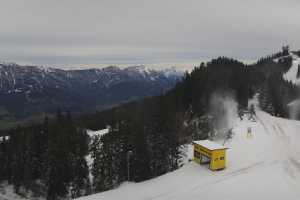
[52, 155]
[29, 91]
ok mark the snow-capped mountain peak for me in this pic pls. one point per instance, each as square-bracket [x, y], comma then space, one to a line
[47, 88]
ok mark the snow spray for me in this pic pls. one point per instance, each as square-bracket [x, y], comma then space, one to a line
[223, 108]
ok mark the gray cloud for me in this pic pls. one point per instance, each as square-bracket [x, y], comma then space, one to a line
[66, 32]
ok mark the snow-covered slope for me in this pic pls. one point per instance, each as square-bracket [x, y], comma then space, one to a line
[291, 75]
[264, 166]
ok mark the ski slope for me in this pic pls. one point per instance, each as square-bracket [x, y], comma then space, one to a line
[291, 74]
[264, 166]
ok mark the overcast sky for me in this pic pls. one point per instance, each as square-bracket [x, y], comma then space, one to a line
[104, 32]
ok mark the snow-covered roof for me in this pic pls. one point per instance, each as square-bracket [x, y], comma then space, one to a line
[209, 144]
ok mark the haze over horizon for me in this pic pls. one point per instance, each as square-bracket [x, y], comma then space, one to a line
[178, 33]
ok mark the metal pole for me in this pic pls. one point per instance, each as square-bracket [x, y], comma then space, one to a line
[128, 165]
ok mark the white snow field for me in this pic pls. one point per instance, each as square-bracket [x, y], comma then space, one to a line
[291, 74]
[263, 166]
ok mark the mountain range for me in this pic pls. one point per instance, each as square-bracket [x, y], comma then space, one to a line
[28, 90]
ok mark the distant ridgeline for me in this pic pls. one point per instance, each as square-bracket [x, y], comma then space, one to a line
[30, 91]
[152, 129]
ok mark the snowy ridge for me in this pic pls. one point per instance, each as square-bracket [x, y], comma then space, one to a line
[45, 89]
[265, 165]
[291, 75]
[39, 77]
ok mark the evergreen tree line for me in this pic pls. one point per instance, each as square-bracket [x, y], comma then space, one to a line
[141, 144]
[274, 92]
[48, 159]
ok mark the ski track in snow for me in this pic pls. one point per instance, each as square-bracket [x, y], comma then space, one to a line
[265, 166]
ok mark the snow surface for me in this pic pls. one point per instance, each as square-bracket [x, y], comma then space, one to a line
[294, 108]
[98, 132]
[7, 193]
[263, 166]
[209, 144]
[291, 74]
[4, 138]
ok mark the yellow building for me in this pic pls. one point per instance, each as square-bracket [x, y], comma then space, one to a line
[206, 151]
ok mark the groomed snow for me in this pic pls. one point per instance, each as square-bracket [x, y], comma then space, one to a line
[209, 144]
[265, 165]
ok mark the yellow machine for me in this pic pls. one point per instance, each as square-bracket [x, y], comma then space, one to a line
[206, 151]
